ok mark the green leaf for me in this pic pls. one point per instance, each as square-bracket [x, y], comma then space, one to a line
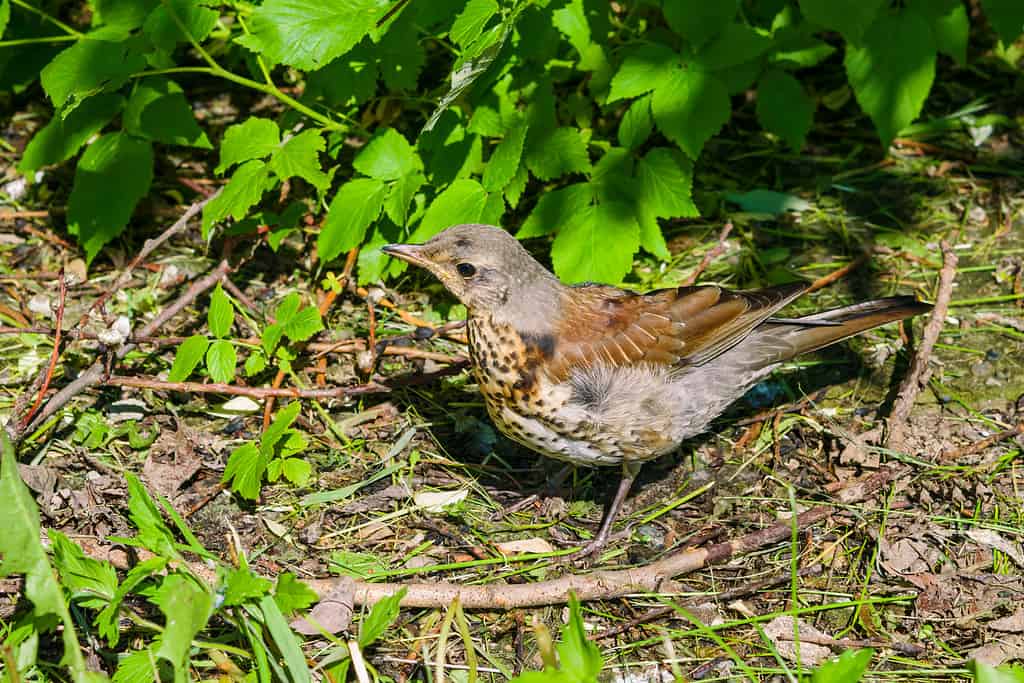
[643, 70]
[136, 667]
[245, 469]
[555, 209]
[187, 607]
[388, 156]
[296, 470]
[286, 640]
[271, 336]
[97, 215]
[515, 187]
[291, 595]
[300, 156]
[571, 20]
[666, 183]
[690, 107]
[950, 26]
[356, 205]
[346, 81]
[636, 124]
[221, 360]
[309, 34]
[107, 620]
[597, 245]
[255, 363]
[892, 70]
[163, 31]
[848, 667]
[304, 324]
[356, 564]
[984, 673]
[221, 315]
[554, 153]
[400, 55]
[784, 108]
[471, 21]
[737, 44]
[92, 583]
[381, 616]
[243, 191]
[5, 15]
[768, 202]
[461, 202]
[698, 20]
[1006, 17]
[794, 48]
[254, 138]
[504, 161]
[280, 424]
[187, 357]
[158, 110]
[153, 532]
[242, 585]
[402, 191]
[61, 138]
[576, 654]
[21, 552]
[86, 68]
[849, 17]
[121, 16]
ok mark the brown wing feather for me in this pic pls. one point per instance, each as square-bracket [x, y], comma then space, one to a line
[684, 326]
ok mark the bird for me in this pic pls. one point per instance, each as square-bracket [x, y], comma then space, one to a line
[595, 375]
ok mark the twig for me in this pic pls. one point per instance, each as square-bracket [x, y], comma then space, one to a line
[251, 392]
[710, 255]
[6, 216]
[979, 446]
[94, 374]
[826, 280]
[916, 377]
[148, 247]
[54, 355]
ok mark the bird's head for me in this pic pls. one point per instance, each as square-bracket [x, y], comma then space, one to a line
[485, 267]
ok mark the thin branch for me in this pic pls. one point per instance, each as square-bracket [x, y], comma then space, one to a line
[55, 354]
[711, 255]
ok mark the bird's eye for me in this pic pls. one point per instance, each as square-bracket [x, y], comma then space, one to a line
[466, 270]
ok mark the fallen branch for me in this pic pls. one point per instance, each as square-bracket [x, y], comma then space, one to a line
[917, 375]
[55, 354]
[710, 255]
[826, 280]
[979, 446]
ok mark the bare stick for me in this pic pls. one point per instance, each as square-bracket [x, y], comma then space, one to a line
[710, 255]
[837, 274]
[52, 365]
[252, 392]
[917, 374]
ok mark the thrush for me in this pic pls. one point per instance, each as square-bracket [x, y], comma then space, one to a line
[596, 375]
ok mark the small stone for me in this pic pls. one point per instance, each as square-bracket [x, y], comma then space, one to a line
[40, 305]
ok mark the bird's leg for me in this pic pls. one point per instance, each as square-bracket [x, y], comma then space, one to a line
[629, 472]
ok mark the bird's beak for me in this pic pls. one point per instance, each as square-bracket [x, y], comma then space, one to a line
[413, 253]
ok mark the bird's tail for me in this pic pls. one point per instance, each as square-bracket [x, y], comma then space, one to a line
[778, 340]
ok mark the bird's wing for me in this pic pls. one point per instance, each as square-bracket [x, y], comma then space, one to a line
[674, 327]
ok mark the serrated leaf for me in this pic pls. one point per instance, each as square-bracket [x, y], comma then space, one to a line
[848, 667]
[95, 214]
[690, 107]
[240, 585]
[300, 156]
[737, 44]
[388, 156]
[381, 616]
[504, 161]
[153, 532]
[245, 469]
[555, 209]
[290, 594]
[950, 26]
[135, 667]
[189, 354]
[402, 191]
[165, 33]
[347, 81]
[221, 314]
[636, 124]
[1006, 17]
[280, 424]
[61, 138]
[598, 245]
[158, 110]
[555, 153]
[87, 68]
[515, 187]
[304, 324]
[400, 55]
[243, 191]
[356, 205]
[891, 71]
[309, 34]
[221, 360]
[296, 470]
[571, 20]
[119, 17]
[697, 20]
[470, 23]
[849, 17]
[21, 552]
[461, 202]
[255, 363]
[254, 138]
[643, 70]
[187, 608]
[784, 108]
[666, 183]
